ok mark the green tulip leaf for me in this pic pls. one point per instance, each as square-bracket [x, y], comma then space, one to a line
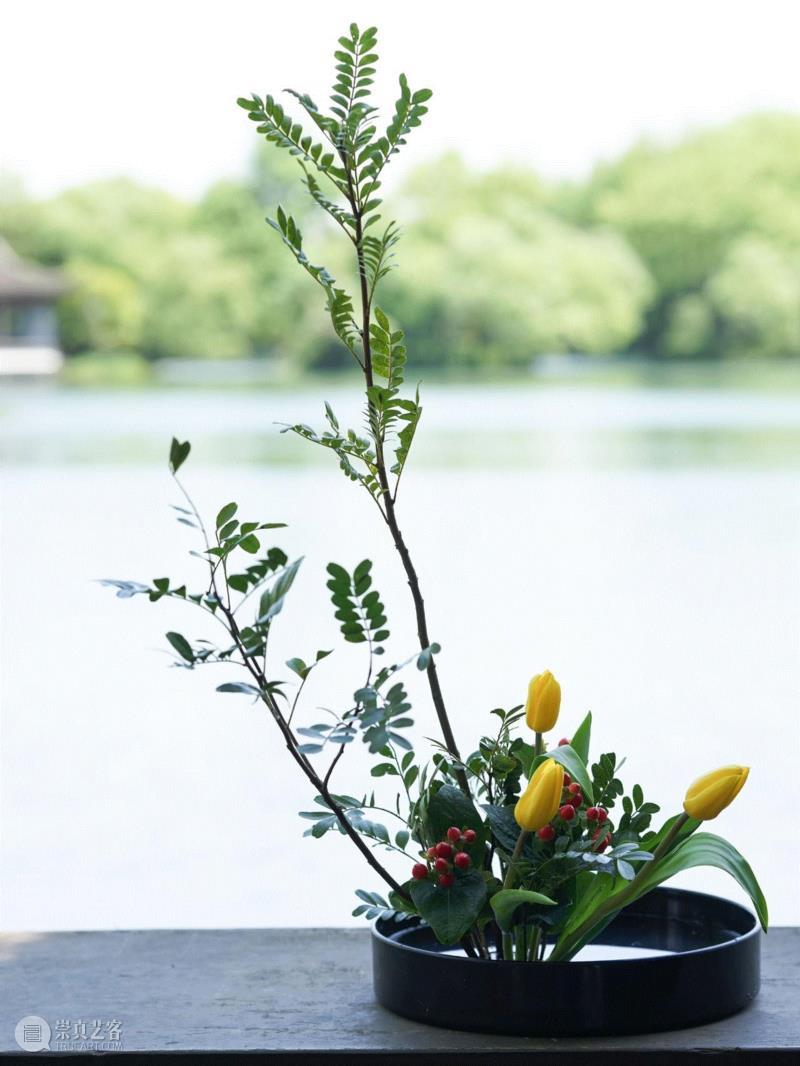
[702, 849]
[575, 767]
[450, 911]
[651, 841]
[507, 902]
[581, 738]
[707, 849]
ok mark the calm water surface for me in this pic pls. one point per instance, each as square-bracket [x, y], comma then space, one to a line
[641, 543]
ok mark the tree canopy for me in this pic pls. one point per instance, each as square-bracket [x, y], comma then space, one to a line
[683, 250]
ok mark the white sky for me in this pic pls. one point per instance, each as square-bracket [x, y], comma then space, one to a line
[95, 88]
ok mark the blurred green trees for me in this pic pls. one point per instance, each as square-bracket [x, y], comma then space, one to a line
[716, 221]
[691, 250]
[496, 277]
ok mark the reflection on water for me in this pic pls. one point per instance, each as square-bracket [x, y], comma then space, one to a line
[606, 952]
[641, 543]
[480, 426]
[596, 953]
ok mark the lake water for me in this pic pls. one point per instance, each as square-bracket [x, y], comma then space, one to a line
[642, 543]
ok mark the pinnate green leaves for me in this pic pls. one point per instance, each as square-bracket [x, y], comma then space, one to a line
[272, 599]
[280, 129]
[388, 350]
[359, 608]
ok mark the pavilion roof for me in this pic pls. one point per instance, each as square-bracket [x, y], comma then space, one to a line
[21, 280]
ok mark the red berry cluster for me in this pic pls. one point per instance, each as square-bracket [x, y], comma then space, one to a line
[444, 858]
[570, 809]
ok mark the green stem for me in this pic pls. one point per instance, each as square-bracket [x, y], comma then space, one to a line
[619, 899]
[533, 948]
[508, 949]
[515, 857]
[520, 936]
[538, 745]
[388, 509]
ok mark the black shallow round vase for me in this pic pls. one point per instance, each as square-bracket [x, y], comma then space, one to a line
[712, 970]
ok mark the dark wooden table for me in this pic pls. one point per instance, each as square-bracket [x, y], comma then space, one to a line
[305, 996]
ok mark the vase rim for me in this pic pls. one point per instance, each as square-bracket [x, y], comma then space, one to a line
[681, 893]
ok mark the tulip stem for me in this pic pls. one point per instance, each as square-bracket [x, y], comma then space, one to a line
[538, 746]
[620, 899]
[665, 844]
[535, 941]
[515, 857]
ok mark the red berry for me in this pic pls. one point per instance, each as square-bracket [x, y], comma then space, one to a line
[562, 742]
[431, 853]
[604, 842]
[462, 860]
[592, 814]
[446, 880]
[576, 799]
[419, 871]
[567, 779]
[546, 833]
[444, 850]
[469, 836]
[602, 814]
[567, 812]
[454, 834]
[442, 866]
[574, 788]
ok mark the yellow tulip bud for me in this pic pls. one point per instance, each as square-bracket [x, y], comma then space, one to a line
[712, 792]
[540, 801]
[543, 702]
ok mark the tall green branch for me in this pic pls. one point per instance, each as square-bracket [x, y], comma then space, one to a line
[356, 175]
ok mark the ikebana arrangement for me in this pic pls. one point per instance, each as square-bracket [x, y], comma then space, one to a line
[519, 849]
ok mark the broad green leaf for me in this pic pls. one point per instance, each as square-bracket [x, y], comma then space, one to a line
[297, 666]
[226, 513]
[272, 599]
[181, 646]
[450, 911]
[239, 686]
[449, 806]
[405, 906]
[575, 767]
[178, 453]
[503, 825]
[581, 739]
[507, 901]
[702, 849]
[525, 753]
[707, 849]
[651, 841]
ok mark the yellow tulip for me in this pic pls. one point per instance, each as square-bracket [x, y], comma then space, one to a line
[543, 702]
[712, 792]
[540, 801]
